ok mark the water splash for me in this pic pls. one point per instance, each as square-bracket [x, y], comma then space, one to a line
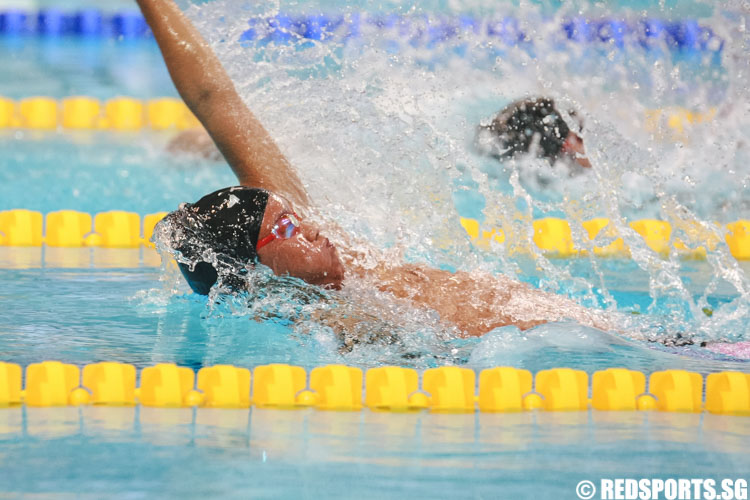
[381, 128]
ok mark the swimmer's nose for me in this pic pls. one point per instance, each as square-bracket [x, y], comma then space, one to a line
[310, 232]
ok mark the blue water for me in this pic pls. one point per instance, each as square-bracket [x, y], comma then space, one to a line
[130, 315]
[100, 172]
[129, 453]
[61, 67]
[88, 314]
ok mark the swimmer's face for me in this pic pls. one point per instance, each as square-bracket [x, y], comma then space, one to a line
[573, 147]
[307, 255]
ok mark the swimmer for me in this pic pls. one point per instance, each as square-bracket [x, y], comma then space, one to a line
[263, 221]
[532, 126]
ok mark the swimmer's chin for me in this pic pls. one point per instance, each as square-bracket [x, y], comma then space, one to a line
[329, 280]
[329, 283]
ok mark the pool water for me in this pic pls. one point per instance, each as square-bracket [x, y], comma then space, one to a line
[395, 166]
[86, 305]
[142, 453]
[70, 66]
[102, 171]
[144, 315]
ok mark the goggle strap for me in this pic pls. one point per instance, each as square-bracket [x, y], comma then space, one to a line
[265, 241]
[293, 221]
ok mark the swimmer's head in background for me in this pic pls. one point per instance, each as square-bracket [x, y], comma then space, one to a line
[523, 124]
[216, 236]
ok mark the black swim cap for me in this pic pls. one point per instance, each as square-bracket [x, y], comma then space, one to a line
[516, 127]
[222, 227]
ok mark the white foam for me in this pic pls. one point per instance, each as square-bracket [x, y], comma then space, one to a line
[380, 138]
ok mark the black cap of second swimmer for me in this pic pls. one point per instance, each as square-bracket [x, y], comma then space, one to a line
[523, 122]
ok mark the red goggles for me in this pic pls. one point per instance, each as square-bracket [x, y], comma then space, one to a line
[286, 226]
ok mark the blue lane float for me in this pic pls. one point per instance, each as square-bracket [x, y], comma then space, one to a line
[685, 36]
[57, 23]
[54, 22]
[129, 25]
[88, 22]
[14, 22]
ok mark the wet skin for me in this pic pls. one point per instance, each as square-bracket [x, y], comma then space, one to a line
[573, 147]
[474, 303]
[307, 255]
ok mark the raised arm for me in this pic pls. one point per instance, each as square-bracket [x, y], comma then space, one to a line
[210, 94]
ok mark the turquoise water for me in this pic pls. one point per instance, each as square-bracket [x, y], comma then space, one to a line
[94, 314]
[143, 315]
[70, 66]
[100, 172]
[397, 167]
[305, 454]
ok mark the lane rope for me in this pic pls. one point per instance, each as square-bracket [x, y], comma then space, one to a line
[649, 33]
[552, 236]
[448, 389]
[87, 113]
